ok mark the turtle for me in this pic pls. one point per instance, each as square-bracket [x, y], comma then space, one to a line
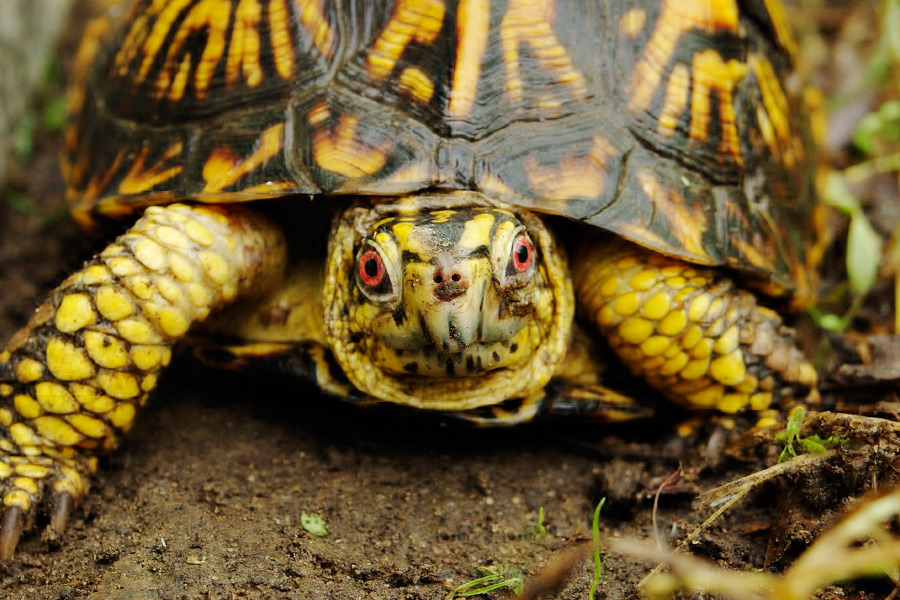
[450, 205]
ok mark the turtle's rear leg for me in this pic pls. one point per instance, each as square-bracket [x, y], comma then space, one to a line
[72, 379]
[689, 331]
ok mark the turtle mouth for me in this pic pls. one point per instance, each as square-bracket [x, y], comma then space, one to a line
[437, 361]
[479, 330]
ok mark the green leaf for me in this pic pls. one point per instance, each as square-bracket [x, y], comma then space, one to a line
[863, 254]
[890, 117]
[494, 580]
[863, 242]
[891, 26]
[313, 523]
[53, 74]
[866, 131]
[53, 117]
[812, 446]
[23, 136]
[832, 322]
[795, 421]
[882, 125]
[22, 204]
[838, 195]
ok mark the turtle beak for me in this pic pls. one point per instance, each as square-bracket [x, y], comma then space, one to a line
[452, 315]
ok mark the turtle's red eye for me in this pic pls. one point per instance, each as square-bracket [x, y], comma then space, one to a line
[371, 269]
[522, 255]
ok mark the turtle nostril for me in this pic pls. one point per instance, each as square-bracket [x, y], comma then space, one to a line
[440, 277]
[449, 284]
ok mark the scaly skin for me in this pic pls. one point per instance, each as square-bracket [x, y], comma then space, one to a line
[72, 380]
[688, 330]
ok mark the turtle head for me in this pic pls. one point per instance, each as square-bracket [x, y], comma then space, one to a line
[446, 301]
[449, 293]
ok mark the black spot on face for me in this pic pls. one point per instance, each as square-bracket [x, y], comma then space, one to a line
[454, 333]
[470, 364]
[423, 326]
[496, 357]
[411, 367]
[450, 370]
[514, 348]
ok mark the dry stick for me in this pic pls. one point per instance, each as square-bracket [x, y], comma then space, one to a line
[672, 478]
[730, 493]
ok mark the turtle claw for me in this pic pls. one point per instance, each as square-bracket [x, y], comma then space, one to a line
[59, 516]
[12, 528]
[42, 485]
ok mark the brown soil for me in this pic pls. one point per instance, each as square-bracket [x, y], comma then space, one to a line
[204, 498]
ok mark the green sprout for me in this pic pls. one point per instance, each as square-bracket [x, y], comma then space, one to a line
[812, 444]
[492, 580]
[595, 535]
[539, 528]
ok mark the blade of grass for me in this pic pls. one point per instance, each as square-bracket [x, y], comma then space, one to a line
[595, 535]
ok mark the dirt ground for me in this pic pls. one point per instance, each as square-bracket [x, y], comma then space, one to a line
[204, 498]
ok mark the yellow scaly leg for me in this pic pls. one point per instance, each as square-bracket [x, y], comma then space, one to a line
[689, 331]
[72, 380]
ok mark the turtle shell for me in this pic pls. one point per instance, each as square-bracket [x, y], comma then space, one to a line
[672, 123]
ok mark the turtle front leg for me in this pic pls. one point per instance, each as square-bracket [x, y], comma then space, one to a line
[689, 331]
[72, 379]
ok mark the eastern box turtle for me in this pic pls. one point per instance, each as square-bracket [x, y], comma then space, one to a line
[459, 152]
